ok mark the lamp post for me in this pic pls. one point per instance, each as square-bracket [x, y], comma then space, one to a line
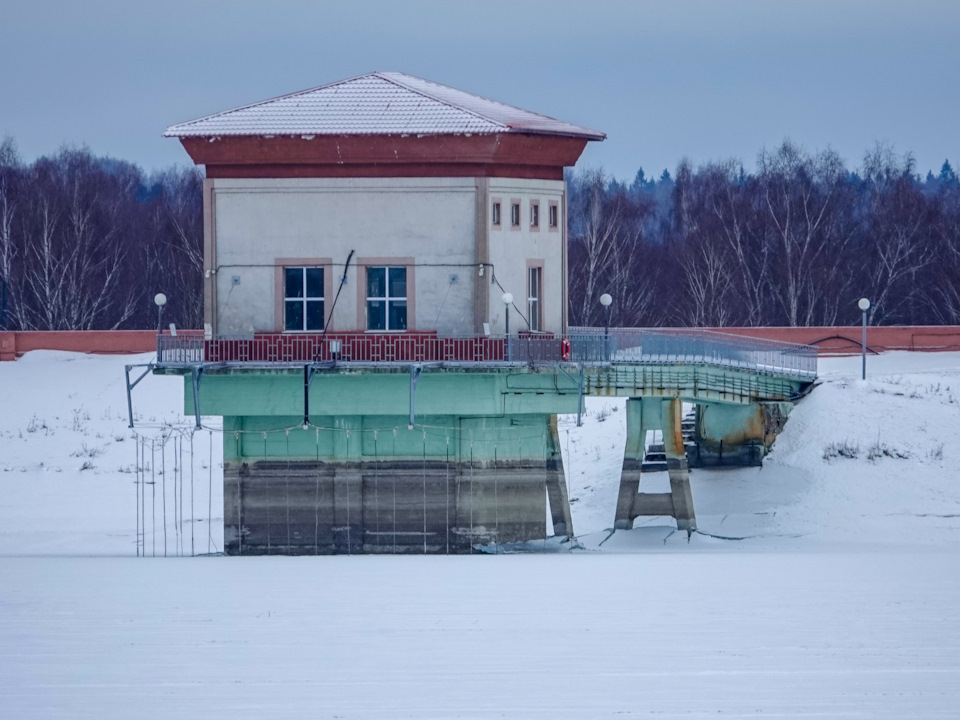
[605, 300]
[864, 305]
[160, 299]
[507, 302]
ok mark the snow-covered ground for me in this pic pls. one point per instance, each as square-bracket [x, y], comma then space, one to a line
[68, 459]
[861, 465]
[823, 584]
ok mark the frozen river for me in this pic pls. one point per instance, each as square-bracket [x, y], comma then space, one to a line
[678, 634]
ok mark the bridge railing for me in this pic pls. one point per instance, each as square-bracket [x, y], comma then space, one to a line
[642, 345]
[581, 345]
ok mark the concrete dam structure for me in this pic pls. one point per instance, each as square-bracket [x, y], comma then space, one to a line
[451, 444]
[366, 243]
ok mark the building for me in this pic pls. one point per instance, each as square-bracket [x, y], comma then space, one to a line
[366, 244]
[445, 200]
[359, 240]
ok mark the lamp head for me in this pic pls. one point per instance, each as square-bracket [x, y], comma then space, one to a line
[507, 298]
[160, 299]
[605, 299]
[863, 304]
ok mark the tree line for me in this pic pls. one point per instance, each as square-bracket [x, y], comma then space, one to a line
[86, 242]
[795, 242]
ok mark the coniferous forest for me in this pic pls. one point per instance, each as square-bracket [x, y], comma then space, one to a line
[86, 241]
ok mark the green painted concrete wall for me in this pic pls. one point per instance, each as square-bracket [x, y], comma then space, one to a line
[382, 393]
[364, 438]
[484, 415]
[487, 392]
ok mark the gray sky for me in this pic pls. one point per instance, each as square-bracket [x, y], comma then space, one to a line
[703, 79]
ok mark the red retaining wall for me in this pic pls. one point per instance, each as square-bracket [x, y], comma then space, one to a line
[104, 342]
[846, 340]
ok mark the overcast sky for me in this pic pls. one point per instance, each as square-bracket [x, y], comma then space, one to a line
[705, 80]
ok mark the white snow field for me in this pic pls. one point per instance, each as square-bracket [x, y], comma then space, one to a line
[824, 584]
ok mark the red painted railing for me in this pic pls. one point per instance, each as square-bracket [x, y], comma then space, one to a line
[344, 347]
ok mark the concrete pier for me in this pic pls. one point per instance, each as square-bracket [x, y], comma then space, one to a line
[645, 414]
[371, 484]
[557, 484]
[736, 435]
[316, 508]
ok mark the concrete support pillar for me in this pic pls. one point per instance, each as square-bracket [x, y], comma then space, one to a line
[632, 461]
[557, 483]
[672, 411]
[645, 414]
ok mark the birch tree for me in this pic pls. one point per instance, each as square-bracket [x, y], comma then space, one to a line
[898, 243]
[598, 223]
[9, 187]
[799, 194]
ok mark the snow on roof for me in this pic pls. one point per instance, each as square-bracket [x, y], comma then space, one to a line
[378, 103]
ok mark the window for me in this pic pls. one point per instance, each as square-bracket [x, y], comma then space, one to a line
[534, 215]
[534, 293]
[303, 298]
[554, 216]
[386, 298]
[515, 214]
[496, 214]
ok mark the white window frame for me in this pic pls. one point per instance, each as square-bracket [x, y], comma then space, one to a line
[306, 298]
[387, 298]
[534, 214]
[535, 297]
[495, 218]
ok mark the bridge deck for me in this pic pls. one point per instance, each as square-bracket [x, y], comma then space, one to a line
[612, 359]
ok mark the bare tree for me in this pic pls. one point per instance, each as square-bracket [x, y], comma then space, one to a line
[9, 185]
[598, 222]
[799, 193]
[74, 260]
[175, 249]
[940, 292]
[730, 202]
[702, 258]
[629, 282]
[897, 244]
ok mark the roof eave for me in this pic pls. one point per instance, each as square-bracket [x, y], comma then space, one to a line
[590, 135]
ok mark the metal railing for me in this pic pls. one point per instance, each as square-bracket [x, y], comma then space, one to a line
[581, 345]
[642, 345]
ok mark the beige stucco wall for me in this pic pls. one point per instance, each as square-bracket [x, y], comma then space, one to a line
[510, 250]
[430, 223]
[258, 222]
